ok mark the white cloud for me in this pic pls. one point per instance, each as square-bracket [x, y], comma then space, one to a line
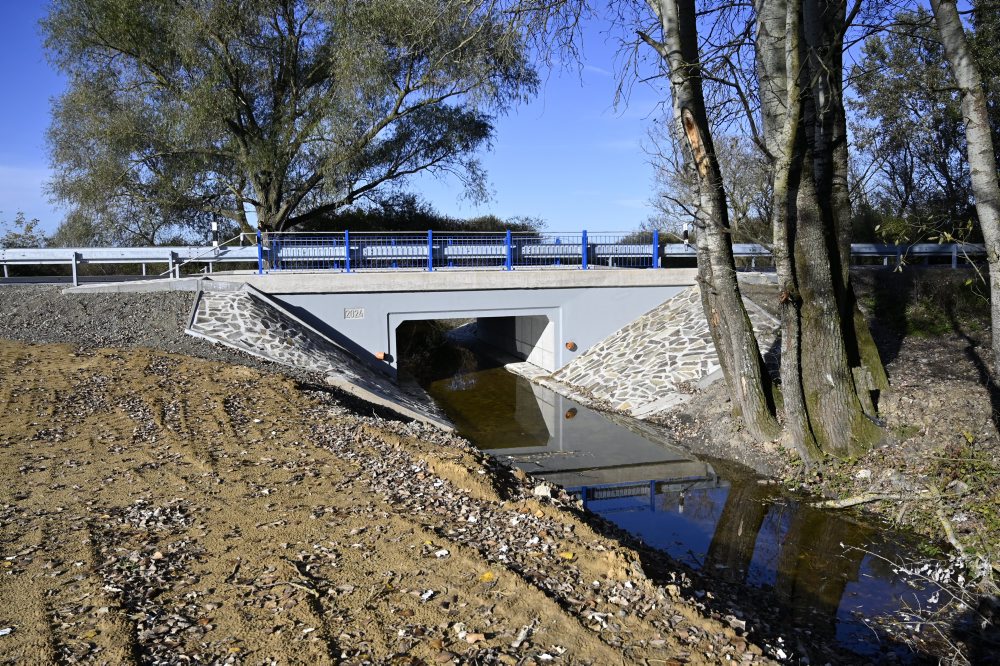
[593, 69]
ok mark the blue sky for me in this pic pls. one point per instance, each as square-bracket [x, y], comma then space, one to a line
[569, 157]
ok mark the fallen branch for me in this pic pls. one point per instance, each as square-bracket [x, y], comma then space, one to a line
[863, 498]
[949, 531]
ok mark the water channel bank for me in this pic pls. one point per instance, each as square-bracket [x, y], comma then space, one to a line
[829, 575]
[428, 486]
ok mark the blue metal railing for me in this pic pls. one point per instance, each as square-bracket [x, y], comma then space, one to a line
[433, 250]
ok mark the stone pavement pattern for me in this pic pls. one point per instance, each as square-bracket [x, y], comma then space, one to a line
[643, 367]
[250, 322]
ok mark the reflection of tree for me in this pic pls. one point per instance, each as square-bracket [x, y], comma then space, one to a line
[817, 562]
[736, 532]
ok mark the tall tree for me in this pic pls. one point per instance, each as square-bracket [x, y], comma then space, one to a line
[981, 152]
[730, 327]
[830, 370]
[184, 109]
[829, 366]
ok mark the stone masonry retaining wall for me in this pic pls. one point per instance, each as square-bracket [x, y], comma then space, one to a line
[644, 367]
[250, 321]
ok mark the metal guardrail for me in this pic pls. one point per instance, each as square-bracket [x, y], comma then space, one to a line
[359, 251]
[172, 256]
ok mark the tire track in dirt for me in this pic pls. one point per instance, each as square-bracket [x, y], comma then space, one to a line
[221, 530]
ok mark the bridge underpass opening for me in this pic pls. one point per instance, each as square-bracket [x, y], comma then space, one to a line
[531, 338]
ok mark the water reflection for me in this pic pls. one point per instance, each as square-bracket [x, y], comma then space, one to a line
[823, 569]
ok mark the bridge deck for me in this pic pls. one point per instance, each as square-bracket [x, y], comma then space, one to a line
[459, 280]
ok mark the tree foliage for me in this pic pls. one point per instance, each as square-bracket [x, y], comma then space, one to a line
[22, 232]
[908, 126]
[181, 111]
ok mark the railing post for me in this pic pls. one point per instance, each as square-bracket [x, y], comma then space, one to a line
[430, 250]
[6, 273]
[656, 248]
[954, 256]
[584, 248]
[260, 254]
[509, 263]
[73, 261]
[347, 251]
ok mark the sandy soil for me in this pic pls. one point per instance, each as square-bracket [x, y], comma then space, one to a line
[157, 508]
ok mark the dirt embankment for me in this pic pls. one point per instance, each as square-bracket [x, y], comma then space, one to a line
[156, 508]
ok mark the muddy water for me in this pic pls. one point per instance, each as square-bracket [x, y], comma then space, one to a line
[817, 568]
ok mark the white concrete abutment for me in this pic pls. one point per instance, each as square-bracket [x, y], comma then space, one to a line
[534, 315]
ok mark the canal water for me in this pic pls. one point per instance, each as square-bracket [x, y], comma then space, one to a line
[819, 568]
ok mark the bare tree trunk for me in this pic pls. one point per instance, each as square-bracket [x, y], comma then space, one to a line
[827, 398]
[737, 348]
[979, 143]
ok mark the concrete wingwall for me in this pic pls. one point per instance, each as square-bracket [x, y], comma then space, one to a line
[544, 320]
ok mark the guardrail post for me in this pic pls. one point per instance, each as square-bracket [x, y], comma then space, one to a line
[954, 256]
[656, 248]
[73, 261]
[583, 249]
[6, 273]
[899, 256]
[347, 251]
[430, 250]
[509, 263]
[260, 254]
[175, 267]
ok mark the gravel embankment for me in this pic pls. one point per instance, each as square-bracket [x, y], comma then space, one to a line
[43, 314]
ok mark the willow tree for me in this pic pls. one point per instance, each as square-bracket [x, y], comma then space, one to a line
[184, 109]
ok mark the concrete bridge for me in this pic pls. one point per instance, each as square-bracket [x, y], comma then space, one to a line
[546, 317]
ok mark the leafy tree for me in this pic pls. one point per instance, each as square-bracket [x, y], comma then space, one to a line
[181, 111]
[408, 212]
[22, 232]
[908, 123]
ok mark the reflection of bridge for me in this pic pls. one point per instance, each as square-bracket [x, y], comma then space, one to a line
[573, 446]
